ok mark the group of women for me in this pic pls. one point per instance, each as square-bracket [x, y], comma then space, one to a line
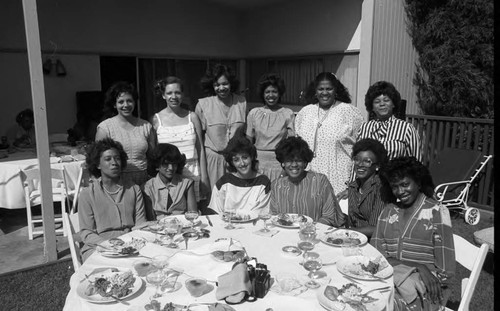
[271, 161]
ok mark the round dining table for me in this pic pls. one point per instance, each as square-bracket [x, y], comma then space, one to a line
[11, 181]
[196, 261]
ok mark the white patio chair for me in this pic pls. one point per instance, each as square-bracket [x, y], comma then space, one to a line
[32, 197]
[73, 227]
[472, 258]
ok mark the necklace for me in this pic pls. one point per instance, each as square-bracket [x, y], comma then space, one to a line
[112, 192]
[318, 125]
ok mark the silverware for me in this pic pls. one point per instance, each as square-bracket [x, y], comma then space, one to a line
[351, 279]
[120, 300]
[332, 229]
[380, 289]
[209, 221]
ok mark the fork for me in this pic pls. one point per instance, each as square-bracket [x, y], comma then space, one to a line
[380, 289]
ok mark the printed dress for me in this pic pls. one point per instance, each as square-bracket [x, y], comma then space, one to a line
[269, 127]
[184, 138]
[331, 135]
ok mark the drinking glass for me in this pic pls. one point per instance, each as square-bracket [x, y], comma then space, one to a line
[312, 263]
[307, 236]
[191, 216]
[229, 211]
[171, 229]
[160, 261]
[265, 215]
[155, 277]
[171, 276]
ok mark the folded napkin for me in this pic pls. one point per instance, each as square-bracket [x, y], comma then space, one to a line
[408, 282]
[234, 285]
[292, 287]
[269, 234]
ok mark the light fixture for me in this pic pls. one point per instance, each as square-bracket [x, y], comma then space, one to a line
[60, 70]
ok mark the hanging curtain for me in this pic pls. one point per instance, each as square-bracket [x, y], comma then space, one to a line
[151, 70]
[297, 74]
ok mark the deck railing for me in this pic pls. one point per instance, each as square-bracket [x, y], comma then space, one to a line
[437, 133]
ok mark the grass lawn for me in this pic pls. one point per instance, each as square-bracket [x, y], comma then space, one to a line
[45, 287]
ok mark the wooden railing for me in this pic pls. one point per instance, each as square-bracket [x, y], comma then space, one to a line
[437, 133]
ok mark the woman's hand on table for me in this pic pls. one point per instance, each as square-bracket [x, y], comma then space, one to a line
[432, 284]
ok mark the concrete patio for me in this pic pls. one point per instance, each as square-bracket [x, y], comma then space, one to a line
[16, 250]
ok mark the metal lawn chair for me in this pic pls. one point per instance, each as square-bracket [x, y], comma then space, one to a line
[454, 171]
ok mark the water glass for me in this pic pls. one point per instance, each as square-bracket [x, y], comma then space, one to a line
[351, 249]
[229, 211]
[265, 215]
[170, 283]
[155, 277]
[312, 263]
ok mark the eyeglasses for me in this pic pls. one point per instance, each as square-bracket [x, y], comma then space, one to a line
[296, 161]
[365, 161]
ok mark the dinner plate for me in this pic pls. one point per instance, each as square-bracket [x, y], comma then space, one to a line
[107, 249]
[82, 287]
[351, 266]
[241, 218]
[330, 305]
[185, 223]
[296, 222]
[341, 236]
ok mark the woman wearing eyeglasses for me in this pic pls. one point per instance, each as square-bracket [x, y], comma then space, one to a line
[303, 192]
[365, 203]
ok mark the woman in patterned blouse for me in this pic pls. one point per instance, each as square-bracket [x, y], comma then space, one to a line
[414, 233]
[136, 135]
[399, 137]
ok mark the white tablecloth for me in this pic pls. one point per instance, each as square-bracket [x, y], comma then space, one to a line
[11, 184]
[267, 250]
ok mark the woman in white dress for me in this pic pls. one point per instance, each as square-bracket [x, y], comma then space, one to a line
[329, 124]
[180, 127]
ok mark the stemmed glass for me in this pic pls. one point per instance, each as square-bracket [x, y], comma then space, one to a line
[312, 263]
[160, 262]
[155, 277]
[229, 211]
[191, 216]
[171, 229]
[265, 215]
[307, 235]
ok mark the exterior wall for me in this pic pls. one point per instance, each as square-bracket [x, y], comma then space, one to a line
[393, 56]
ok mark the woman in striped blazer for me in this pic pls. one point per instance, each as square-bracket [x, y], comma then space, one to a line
[399, 137]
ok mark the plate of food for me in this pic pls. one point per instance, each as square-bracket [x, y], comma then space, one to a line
[117, 247]
[291, 221]
[228, 256]
[109, 285]
[172, 219]
[341, 237]
[239, 218]
[350, 297]
[365, 268]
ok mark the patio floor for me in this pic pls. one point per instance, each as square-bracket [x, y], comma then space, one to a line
[16, 250]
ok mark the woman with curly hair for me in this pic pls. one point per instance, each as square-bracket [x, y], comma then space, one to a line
[300, 191]
[414, 233]
[329, 124]
[182, 128]
[109, 206]
[364, 200]
[399, 137]
[268, 125]
[169, 193]
[242, 187]
[220, 114]
[137, 136]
